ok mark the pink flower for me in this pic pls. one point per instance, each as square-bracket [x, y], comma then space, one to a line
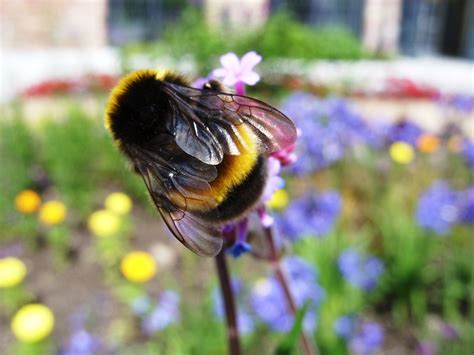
[234, 70]
[274, 181]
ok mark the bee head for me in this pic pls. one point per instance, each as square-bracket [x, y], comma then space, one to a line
[137, 108]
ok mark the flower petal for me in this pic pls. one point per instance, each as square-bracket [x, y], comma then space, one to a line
[250, 78]
[249, 60]
[219, 73]
[230, 61]
[230, 80]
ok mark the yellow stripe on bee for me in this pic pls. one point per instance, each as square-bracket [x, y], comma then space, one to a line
[232, 172]
[234, 169]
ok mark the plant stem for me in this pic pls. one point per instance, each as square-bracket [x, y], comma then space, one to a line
[240, 88]
[229, 303]
[308, 348]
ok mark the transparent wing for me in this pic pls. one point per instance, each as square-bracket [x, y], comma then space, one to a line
[197, 235]
[175, 188]
[206, 123]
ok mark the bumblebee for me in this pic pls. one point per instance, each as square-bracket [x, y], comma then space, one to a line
[201, 152]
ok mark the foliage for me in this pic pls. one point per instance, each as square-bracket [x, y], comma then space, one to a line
[18, 161]
[280, 36]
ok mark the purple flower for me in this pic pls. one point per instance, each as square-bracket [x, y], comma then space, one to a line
[199, 82]
[245, 321]
[344, 326]
[448, 331]
[313, 214]
[235, 71]
[328, 129]
[462, 103]
[363, 337]
[468, 152]
[270, 304]
[359, 270]
[81, 342]
[466, 206]
[368, 339]
[426, 348]
[404, 131]
[438, 209]
[164, 314]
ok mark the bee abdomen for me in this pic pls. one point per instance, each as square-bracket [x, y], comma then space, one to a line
[242, 197]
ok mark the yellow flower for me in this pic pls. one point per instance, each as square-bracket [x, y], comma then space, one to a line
[32, 323]
[402, 152]
[118, 202]
[427, 143]
[138, 266]
[104, 223]
[12, 272]
[27, 201]
[52, 212]
[279, 199]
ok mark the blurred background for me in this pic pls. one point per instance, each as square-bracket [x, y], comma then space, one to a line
[376, 215]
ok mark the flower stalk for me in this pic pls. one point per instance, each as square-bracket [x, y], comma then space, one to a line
[274, 258]
[229, 303]
[237, 73]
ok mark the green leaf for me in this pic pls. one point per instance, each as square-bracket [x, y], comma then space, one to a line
[288, 344]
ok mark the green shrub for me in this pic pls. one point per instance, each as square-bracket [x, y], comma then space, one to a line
[280, 37]
[80, 158]
[283, 37]
[68, 149]
[17, 156]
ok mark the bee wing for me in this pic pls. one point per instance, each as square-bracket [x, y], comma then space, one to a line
[206, 123]
[173, 187]
[197, 235]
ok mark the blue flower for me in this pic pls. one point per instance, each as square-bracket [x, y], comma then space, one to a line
[363, 337]
[269, 301]
[438, 209]
[313, 214]
[359, 270]
[368, 339]
[81, 342]
[238, 231]
[462, 103]
[245, 321]
[328, 129]
[466, 203]
[165, 313]
[468, 152]
[344, 326]
[404, 131]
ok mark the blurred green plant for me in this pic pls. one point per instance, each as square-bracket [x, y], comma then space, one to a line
[68, 148]
[18, 158]
[280, 37]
